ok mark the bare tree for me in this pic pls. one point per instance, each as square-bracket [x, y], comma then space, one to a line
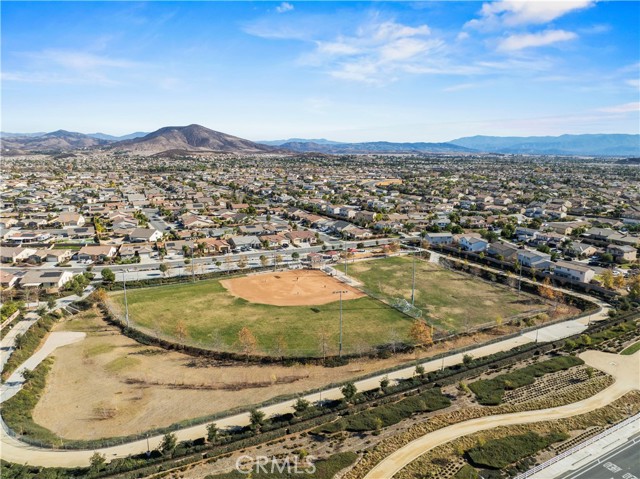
[248, 342]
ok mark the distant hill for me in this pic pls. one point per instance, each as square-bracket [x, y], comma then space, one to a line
[319, 141]
[60, 140]
[192, 138]
[131, 136]
[587, 145]
[380, 147]
[6, 134]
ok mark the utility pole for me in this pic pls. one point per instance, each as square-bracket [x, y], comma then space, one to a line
[340, 340]
[126, 303]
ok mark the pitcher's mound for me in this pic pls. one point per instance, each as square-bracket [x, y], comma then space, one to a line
[290, 288]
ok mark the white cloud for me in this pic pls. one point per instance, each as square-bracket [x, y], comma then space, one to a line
[73, 67]
[459, 87]
[81, 61]
[511, 13]
[624, 108]
[284, 7]
[634, 83]
[539, 39]
[377, 52]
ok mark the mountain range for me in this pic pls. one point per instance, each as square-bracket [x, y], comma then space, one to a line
[198, 139]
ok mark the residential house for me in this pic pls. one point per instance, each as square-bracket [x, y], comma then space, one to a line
[301, 238]
[534, 259]
[215, 246]
[144, 235]
[439, 238]
[526, 234]
[69, 219]
[58, 255]
[623, 254]
[471, 243]
[239, 242]
[503, 251]
[276, 240]
[581, 250]
[7, 280]
[50, 281]
[97, 252]
[9, 254]
[142, 250]
[573, 271]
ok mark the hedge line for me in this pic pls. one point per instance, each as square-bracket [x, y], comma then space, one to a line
[388, 414]
[16, 411]
[324, 469]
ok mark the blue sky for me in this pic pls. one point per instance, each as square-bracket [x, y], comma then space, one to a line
[348, 71]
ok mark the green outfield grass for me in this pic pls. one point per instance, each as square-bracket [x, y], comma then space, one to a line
[213, 318]
[450, 299]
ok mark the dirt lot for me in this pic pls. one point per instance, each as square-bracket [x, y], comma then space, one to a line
[112, 386]
[290, 288]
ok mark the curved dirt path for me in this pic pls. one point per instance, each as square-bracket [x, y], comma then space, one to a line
[625, 370]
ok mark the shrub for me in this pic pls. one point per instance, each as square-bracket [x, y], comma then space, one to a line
[489, 392]
[499, 453]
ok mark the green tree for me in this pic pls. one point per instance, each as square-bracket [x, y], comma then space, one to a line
[349, 391]
[212, 432]
[164, 267]
[384, 382]
[168, 444]
[108, 276]
[300, 406]
[256, 418]
[97, 461]
[51, 303]
[420, 370]
[295, 255]
[467, 359]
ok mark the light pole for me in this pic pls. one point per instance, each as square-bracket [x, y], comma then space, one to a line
[193, 264]
[413, 281]
[340, 340]
[126, 303]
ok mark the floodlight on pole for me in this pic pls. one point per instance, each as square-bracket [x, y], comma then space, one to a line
[340, 340]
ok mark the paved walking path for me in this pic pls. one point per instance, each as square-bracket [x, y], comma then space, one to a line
[55, 340]
[16, 451]
[7, 345]
[624, 369]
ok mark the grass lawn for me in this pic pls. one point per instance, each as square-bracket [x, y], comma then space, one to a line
[631, 349]
[450, 299]
[213, 317]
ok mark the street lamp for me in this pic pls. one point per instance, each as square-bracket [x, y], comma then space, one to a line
[340, 341]
[126, 303]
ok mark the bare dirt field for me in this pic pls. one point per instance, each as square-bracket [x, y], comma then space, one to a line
[109, 385]
[290, 288]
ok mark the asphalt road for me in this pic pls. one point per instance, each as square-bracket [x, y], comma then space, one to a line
[622, 462]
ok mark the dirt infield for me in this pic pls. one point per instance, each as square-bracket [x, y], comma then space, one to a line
[290, 288]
